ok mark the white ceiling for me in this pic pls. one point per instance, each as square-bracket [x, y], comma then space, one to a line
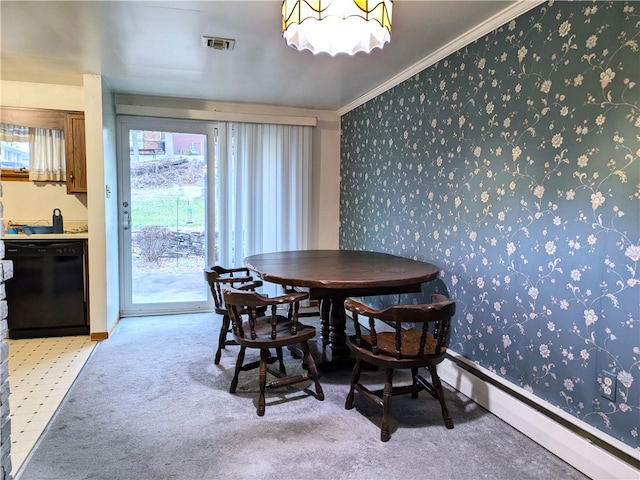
[154, 48]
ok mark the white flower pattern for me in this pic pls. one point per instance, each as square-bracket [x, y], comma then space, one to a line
[517, 162]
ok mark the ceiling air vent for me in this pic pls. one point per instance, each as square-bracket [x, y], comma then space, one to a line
[218, 43]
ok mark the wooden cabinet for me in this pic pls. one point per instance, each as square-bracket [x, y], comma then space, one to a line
[72, 123]
[75, 153]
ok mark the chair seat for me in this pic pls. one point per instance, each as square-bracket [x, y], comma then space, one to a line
[388, 359]
[410, 343]
[284, 337]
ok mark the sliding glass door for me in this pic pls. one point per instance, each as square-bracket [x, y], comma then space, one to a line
[163, 214]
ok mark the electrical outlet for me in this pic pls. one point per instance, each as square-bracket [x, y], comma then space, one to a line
[608, 385]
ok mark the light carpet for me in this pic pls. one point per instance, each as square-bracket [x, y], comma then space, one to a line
[150, 404]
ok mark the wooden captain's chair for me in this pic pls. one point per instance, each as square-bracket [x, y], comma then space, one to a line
[419, 339]
[218, 278]
[253, 327]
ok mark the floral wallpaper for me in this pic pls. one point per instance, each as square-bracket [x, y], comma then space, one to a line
[513, 165]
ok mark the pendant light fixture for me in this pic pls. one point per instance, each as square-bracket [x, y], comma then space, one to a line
[336, 26]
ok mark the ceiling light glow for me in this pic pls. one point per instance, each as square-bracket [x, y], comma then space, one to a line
[336, 26]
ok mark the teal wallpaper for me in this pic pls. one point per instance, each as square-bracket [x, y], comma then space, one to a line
[513, 165]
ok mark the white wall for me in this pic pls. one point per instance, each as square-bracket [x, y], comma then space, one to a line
[41, 95]
[326, 184]
[96, 201]
[28, 202]
[112, 250]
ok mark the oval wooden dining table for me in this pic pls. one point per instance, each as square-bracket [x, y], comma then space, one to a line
[331, 276]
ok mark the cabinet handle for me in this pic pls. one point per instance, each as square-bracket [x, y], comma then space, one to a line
[71, 176]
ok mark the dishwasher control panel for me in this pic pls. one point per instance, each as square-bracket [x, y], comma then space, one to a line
[22, 249]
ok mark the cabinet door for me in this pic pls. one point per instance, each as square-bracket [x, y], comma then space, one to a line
[75, 153]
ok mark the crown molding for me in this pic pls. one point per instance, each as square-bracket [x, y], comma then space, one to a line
[499, 19]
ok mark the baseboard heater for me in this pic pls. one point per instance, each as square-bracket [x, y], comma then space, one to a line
[576, 442]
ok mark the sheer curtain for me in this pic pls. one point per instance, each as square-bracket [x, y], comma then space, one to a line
[46, 150]
[263, 190]
[13, 133]
[47, 155]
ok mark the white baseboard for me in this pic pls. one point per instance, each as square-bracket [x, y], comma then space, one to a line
[577, 450]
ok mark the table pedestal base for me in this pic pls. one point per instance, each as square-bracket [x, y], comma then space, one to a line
[333, 337]
[330, 350]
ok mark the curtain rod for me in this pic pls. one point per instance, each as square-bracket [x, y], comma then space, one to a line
[212, 115]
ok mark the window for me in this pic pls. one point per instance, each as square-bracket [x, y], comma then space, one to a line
[14, 155]
[14, 151]
[32, 144]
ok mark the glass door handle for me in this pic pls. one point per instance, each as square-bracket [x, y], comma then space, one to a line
[126, 224]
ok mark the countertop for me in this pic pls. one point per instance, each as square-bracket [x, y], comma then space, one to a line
[45, 236]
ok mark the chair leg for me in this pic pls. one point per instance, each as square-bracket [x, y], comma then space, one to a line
[308, 360]
[416, 385]
[437, 384]
[239, 362]
[355, 378]
[283, 370]
[262, 380]
[222, 338]
[387, 395]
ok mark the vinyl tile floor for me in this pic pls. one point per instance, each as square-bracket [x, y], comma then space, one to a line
[41, 371]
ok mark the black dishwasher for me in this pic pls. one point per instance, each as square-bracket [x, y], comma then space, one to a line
[47, 295]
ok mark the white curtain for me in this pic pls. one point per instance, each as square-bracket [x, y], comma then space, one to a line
[263, 189]
[47, 155]
[46, 150]
[13, 133]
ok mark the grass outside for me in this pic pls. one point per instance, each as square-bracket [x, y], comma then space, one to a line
[171, 207]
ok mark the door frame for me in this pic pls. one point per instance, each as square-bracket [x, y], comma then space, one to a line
[124, 124]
